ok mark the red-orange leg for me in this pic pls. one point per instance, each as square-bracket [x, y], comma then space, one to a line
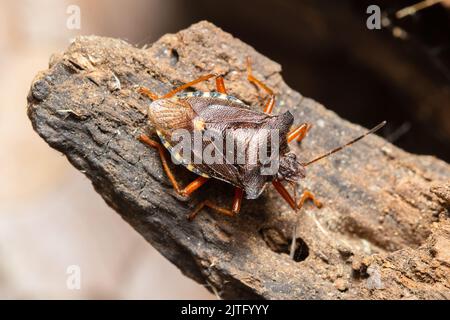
[190, 188]
[235, 207]
[269, 105]
[220, 85]
[152, 143]
[194, 185]
[237, 200]
[154, 96]
[306, 195]
[148, 93]
[187, 85]
[298, 133]
[271, 101]
[284, 193]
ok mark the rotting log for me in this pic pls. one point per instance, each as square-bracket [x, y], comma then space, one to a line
[382, 233]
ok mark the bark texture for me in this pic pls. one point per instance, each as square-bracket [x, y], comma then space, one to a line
[382, 233]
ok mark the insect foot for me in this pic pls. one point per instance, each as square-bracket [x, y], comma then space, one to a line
[182, 195]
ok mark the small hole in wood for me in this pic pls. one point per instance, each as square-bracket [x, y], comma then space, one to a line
[174, 57]
[301, 251]
[278, 243]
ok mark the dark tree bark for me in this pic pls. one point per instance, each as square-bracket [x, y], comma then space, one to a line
[383, 232]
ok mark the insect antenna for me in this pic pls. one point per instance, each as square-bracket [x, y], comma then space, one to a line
[376, 128]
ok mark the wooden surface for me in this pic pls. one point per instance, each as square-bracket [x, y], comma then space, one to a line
[383, 232]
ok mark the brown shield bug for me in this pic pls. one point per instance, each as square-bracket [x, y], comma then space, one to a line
[229, 117]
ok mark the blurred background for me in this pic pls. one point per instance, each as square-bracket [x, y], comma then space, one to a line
[50, 216]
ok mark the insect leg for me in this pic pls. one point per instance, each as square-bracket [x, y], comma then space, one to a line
[154, 144]
[307, 195]
[271, 101]
[191, 187]
[284, 193]
[148, 93]
[194, 185]
[187, 85]
[235, 207]
[254, 80]
[299, 133]
[220, 85]
[269, 105]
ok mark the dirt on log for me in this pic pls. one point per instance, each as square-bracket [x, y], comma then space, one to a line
[383, 232]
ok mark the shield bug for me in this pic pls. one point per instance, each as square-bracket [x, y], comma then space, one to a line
[230, 120]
